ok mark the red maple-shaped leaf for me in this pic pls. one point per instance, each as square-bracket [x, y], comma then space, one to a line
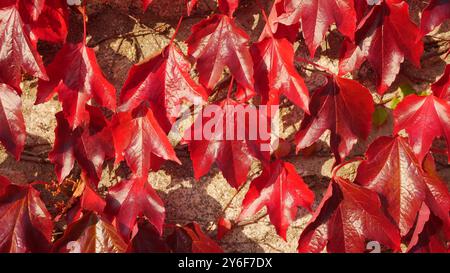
[441, 88]
[222, 143]
[316, 17]
[428, 236]
[163, 80]
[437, 197]
[424, 118]
[90, 234]
[62, 155]
[434, 14]
[342, 106]
[94, 145]
[145, 4]
[217, 42]
[131, 199]
[384, 37]
[191, 239]
[392, 170]
[85, 198]
[17, 51]
[274, 27]
[52, 24]
[361, 8]
[139, 140]
[8, 3]
[12, 124]
[274, 68]
[76, 76]
[432, 228]
[25, 224]
[147, 240]
[347, 217]
[228, 6]
[282, 191]
[89, 145]
[31, 8]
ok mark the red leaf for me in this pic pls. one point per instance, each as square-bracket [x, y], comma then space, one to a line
[138, 139]
[361, 8]
[424, 118]
[437, 196]
[76, 76]
[91, 234]
[8, 3]
[90, 145]
[434, 14]
[86, 199]
[94, 145]
[52, 25]
[90, 200]
[281, 190]
[3, 183]
[392, 170]
[217, 42]
[342, 106]
[316, 17]
[62, 155]
[274, 68]
[427, 236]
[223, 227]
[145, 4]
[147, 240]
[13, 133]
[163, 80]
[191, 239]
[31, 8]
[232, 155]
[384, 37]
[26, 225]
[347, 217]
[131, 199]
[228, 6]
[274, 28]
[441, 88]
[17, 51]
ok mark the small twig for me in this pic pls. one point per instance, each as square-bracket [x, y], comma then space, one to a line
[439, 39]
[222, 213]
[35, 159]
[232, 198]
[303, 60]
[39, 154]
[250, 222]
[131, 34]
[30, 146]
[385, 101]
[311, 69]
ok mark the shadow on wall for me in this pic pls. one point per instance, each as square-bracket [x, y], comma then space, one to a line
[187, 200]
[126, 36]
[33, 165]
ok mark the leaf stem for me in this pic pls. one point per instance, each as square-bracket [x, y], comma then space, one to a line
[230, 87]
[82, 10]
[176, 30]
[303, 60]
